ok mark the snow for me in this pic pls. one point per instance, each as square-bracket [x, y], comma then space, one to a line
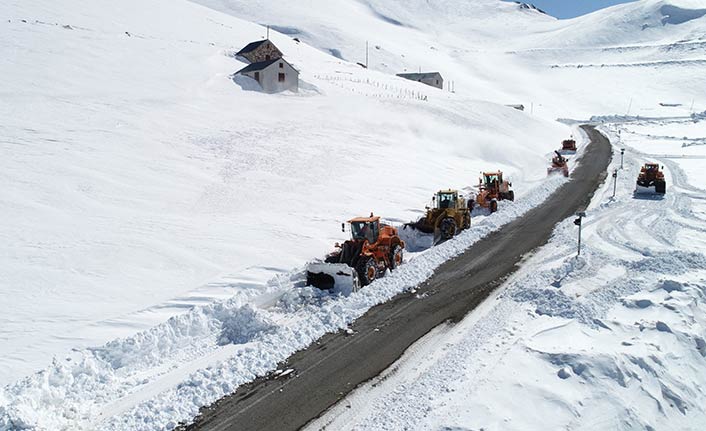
[157, 213]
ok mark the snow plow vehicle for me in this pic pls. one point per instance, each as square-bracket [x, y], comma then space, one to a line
[448, 215]
[568, 145]
[651, 180]
[491, 189]
[374, 247]
[559, 164]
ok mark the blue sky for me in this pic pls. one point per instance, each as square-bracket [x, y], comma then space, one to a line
[572, 8]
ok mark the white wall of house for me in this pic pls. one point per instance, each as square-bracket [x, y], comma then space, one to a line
[270, 80]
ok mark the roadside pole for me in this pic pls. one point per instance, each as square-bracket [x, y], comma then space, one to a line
[578, 223]
[615, 181]
[622, 153]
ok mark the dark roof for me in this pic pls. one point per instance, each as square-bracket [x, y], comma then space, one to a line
[261, 65]
[416, 76]
[252, 46]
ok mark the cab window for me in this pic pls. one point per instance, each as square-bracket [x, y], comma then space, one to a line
[445, 200]
[490, 178]
[365, 230]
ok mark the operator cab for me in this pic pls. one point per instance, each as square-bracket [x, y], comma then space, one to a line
[491, 179]
[651, 167]
[365, 229]
[446, 199]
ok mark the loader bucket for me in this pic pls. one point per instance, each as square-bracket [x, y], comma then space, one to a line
[420, 225]
[645, 190]
[334, 277]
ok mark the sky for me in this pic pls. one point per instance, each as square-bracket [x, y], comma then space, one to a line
[572, 8]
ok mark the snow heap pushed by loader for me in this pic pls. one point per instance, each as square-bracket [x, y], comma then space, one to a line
[651, 180]
[449, 214]
[374, 247]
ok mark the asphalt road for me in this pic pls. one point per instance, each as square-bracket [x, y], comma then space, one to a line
[330, 368]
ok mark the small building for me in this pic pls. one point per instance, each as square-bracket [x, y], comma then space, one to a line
[273, 75]
[518, 107]
[262, 50]
[429, 78]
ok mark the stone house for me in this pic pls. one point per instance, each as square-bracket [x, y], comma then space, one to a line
[273, 75]
[262, 50]
[429, 78]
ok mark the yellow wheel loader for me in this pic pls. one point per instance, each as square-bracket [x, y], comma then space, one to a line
[448, 215]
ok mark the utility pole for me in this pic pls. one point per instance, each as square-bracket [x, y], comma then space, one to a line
[622, 153]
[629, 106]
[691, 109]
[268, 32]
[615, 181]
[578, 223]
[366, 54]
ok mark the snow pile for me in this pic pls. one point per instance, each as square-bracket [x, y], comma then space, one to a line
[243, 326]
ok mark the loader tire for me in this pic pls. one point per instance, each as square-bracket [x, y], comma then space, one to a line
[510, 195]
[493, 206]
[396, 256]
[447, 228]
[661, 187]
[467, 220]
[367, 271]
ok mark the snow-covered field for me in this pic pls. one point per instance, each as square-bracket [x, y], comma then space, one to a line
[156, 214]
[613, 339]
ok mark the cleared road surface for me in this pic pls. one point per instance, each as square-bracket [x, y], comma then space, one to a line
[329, 369]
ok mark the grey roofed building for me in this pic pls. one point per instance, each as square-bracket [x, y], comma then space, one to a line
[273, 75]
[429, 78]
[256, 66]
[261, 50]
[252, 46]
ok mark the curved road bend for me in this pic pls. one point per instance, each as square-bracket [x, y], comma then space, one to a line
[332, 367]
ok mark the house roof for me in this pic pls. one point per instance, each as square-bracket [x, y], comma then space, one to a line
[261, 65]
[416, 76]
[252, 46]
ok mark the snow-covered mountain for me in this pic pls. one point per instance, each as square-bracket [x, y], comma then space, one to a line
[139, 180]
[503, 52]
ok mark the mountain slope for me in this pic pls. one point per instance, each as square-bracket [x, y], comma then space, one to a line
[503, 52]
